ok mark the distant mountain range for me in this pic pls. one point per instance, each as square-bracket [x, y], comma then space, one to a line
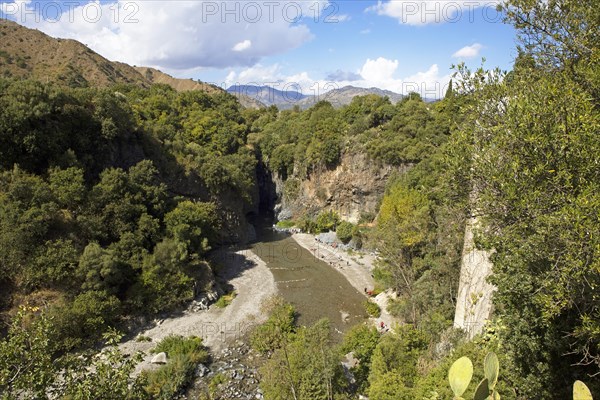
[289, 98]
[343, 96]
[268, 95]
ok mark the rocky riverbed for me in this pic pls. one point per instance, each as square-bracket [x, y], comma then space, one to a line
[232, 374]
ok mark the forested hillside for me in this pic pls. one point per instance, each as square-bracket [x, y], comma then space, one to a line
[110, 198]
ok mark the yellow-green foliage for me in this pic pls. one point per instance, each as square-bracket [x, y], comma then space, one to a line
[288, 223]
[225, 300]
[404, 213]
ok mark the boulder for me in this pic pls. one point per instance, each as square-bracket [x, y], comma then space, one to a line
[160, 358]
[202, 370]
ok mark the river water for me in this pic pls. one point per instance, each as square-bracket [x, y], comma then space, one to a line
[314, 288]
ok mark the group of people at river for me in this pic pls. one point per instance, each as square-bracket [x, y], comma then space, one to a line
[336, 263]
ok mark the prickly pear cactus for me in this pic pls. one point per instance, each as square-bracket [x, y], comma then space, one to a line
[460, 375]
[461, 372]
[483, 390]
[581, 391]
[491, 369]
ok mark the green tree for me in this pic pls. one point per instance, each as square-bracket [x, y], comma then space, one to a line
[68, 186]
[108, 375]
[193, 224]
[403, 228]
[30, 368]
[99, 269]
[394, 364]
[164, 280]
[535, 145]
[345, 231]
[27, 215]
[361, 340]
[27, 368]
[82, 321]
[55, 264]
[304, 367]
[271, 335]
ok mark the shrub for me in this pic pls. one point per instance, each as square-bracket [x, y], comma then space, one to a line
[327, 221]
[285, 224]
[184, 354]
[269, 336]
[170, 379]
[225, 300]
[175, 345]
[372, 309]
[345, 231]
[308, 225]
[163, 278]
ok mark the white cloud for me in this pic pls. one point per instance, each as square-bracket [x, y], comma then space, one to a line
[374, 73]
[468, 51]
[257, 75]
[365, 31]
[378, 70]
[241, 46]
[14, 7]
[423, 12]
[178, 34]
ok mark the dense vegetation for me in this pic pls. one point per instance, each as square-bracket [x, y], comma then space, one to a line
[91, 222]
[296, 143]
[534, 137]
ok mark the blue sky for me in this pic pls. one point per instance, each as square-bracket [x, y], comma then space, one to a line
[399, 45]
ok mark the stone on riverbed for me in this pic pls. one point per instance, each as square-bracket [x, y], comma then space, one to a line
[160, 358]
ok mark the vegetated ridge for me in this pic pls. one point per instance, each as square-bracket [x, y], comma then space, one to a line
[31, 54]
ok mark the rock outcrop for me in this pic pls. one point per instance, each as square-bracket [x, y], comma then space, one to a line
[355, 186]
[474, 301]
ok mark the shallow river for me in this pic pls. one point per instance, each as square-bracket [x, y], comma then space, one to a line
[315, 289]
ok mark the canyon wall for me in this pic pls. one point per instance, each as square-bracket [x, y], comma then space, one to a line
[356, 186]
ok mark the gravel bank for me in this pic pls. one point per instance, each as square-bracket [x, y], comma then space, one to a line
[219, 327]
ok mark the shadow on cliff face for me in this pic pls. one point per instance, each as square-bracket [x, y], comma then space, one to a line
[267, 196]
